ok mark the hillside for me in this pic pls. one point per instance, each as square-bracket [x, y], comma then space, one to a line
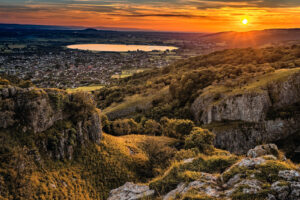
[202, 128]
[257, 38]
[245, 96]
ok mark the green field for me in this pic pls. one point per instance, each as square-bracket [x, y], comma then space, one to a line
[85, 88]
[127, 73]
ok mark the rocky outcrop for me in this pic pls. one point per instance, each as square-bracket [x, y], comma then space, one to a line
[259, 176]
[46, 112]
[261, 150]
[130, 191]
[243, 119]
[248, 107]
[239, 137]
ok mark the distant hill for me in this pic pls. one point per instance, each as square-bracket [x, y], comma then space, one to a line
[42, 27]
[254, 38]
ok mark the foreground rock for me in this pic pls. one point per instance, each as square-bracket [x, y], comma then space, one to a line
[261, 150]
[260, 176]
[130, 191]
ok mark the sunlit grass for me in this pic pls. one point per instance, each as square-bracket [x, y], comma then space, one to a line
[85, 88]
[256, 84]
[136, 101]
[128, 73]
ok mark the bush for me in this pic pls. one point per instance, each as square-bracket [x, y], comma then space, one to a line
[159, 154]
[178, 172]
[125, 127]
[106, 124]
[151, 127]
[176, 128]
[201, 139]
[80, 105]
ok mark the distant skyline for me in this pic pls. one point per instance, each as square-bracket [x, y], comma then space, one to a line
[167, 15]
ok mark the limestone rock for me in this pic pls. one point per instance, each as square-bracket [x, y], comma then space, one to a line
[295, 191]
[246, 115]
[261, 150]
[289, 175]
[130, 191]
[36, 110]
[282, 190]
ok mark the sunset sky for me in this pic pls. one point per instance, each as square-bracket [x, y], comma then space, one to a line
[162, 15]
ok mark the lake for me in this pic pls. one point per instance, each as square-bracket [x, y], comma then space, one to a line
[119, 47]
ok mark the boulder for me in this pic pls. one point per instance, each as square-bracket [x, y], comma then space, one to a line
[261, 150]
[130, 191]
[281, 189]
[289, 175]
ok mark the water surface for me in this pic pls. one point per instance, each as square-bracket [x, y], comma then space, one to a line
[119, 47]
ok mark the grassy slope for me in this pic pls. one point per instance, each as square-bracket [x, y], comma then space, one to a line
[85, 88]
[224, 72]
[139, 101]
[255, 84]
[95, 170]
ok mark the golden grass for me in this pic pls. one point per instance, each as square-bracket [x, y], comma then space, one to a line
[256, 84]
[128, 73]
[85, 88]
[136, 101]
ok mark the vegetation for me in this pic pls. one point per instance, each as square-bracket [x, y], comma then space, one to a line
[201, 139]
[215, 74]
[94, 171]
[185, 172]
[85, 88]
[154, 142]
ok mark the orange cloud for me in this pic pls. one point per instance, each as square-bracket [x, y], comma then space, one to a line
[177, 15]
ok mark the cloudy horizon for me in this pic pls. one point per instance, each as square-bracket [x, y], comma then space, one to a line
[168, 15]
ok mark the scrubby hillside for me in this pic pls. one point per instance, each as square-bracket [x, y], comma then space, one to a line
[245, 96]
[159, 133]
[52, 147]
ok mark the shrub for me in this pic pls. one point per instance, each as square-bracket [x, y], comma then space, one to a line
[201, 139]
[106, 124]
[159, 154]
[177, 173]
[151, 127]
[80, 105]
[125, 127]
[176, 128]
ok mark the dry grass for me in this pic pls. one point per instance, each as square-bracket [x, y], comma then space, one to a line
[85, 88]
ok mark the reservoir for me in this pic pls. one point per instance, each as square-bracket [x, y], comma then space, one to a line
[119, 47]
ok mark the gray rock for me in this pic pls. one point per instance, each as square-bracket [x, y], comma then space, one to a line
[36, 110]
[178, 190]
[188, 160]
[251, 162]
[253, 186]
[271, 197]
[5, 93]
[295, 191]
[250, 109]
[235, 179]
[289, 175]
[261, 150]
[130, 191]
[282, 190]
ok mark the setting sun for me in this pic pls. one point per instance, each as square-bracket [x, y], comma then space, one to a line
[245, 21]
